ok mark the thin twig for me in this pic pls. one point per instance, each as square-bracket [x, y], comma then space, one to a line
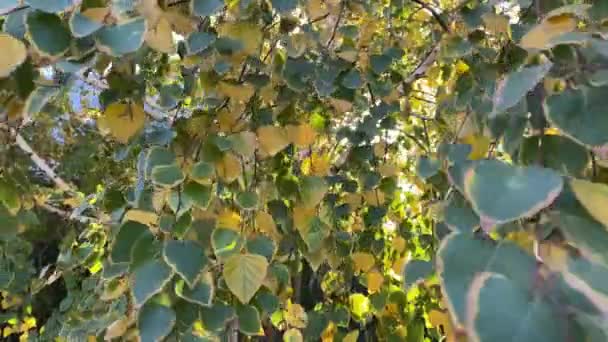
[335, 29]
[68, 215]
[435, 15]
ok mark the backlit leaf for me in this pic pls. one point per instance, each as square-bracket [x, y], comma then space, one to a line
[122, 121]
[244, 274]
[539, 36]
[272, 139]
[14, 54]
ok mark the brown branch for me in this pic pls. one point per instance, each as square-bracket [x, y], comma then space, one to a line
[335, 29]
[435, 15]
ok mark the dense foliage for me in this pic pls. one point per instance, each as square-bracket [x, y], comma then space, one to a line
[335, 170]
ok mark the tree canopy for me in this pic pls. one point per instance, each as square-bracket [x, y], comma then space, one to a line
[304, 170]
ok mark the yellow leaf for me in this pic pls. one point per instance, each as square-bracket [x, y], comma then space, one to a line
[238, 92]
[228, 168]
[594, 197]
[389, 170]
[363, 261]
[374, 197]
[316, 165]
[540, 36]
[227, 218]
[352, 336]
[301, 135]
[160, 37]
[229, 120]
[266, 225]
[440, 318]
[302, 217]
[295, 315]
[398, 265]
[150, 10]
[375, 280]
[144, 217]
[328, 333]
[480, 145]
[97, 14]
[553, 255]
[13, 54]
[316, 9]
[272, 139]
[293, 335]
[496, 23]
[244, 274]
[122, 121]
[249, 34]
[354, 200]
[398, 244]
[379, 149]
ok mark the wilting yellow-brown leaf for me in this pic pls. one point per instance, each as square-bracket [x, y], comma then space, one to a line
[238, 92]
[293, 335]
[341, 106]
[398, 265]
[328, 333]
[302, 135]
[379, 149]
[97, 14]
[363, 262]
[13, 54]
[266, 225]
[160, 37]
[227, 218]
[375, 280]
[244, 143]
[117, 329]
[354, 200]
[272, 139]
[594, 197]
[122, 121]
[228, 168]
[144, 217]
[352, 336]
[540, 36]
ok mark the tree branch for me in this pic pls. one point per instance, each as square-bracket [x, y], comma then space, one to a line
[435, 15]
[68, 215]
[333, 32]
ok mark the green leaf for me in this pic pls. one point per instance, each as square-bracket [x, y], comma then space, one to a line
[187, 258]
[167, 175]
[202, 171]
[521, 317]
[500, 193]
[145, 248]
[149, 279]
[226, 242]
[155, 322]
[200, 41]
[204, 8]
[215, 317]
[261, 245]
[121, 39]
[416, 270]
[458, 214]
[128, 233]
[14, 23]
[312, 190]
[201, 293]
[462, 256]
[247, 200]
[557, 152]
[8, 5]
[48, 33]
[427, 167]
[589, 279]
[380, 63]
[352, 79]
[54, 6]
[198, 194]
[244, 274]
[589, 236]
[158, 156]
[82, 26]
[513, 87]
[38, 99]
[249, 320]
[580, 114]
[284, 6]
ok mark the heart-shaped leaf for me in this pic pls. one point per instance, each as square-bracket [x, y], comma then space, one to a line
[149, 279]
[244, 274]
[187, 258]
[501, 193]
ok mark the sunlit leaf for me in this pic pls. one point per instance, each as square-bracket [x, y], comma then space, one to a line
[122, 121]
[244, 274]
